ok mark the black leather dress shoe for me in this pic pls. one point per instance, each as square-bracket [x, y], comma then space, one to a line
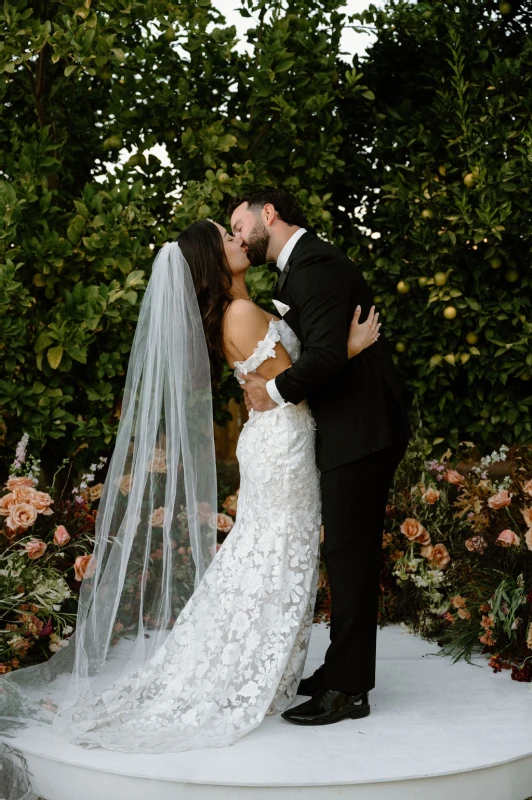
[328, 706]
[309, 686]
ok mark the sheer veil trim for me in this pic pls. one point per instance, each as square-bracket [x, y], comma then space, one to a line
[155, 528]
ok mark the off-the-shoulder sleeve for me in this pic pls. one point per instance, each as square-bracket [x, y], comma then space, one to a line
[264, 350]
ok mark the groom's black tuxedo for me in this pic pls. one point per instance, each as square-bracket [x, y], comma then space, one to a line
[362, 432]
[358, 403]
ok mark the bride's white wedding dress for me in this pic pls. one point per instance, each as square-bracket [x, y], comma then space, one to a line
[237, 650]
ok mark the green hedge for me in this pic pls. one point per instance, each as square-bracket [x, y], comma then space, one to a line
[395, 134]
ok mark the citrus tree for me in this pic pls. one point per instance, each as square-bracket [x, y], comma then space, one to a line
[443, 172]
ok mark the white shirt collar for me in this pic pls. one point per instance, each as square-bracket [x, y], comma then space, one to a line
[286, 252]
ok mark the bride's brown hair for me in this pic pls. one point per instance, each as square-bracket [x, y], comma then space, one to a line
[203, 248]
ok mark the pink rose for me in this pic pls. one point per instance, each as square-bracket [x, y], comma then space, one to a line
[61, 536]
[230, 504]
[224, 523]
[527, 516]
[205, 514]
[41, 501]
[84, 566]
[6, 503]
[157, 517]
[528, 538]
[476, 544]
[431, 496]
[454, 477]
[415, 532]
[35, 548]
[527, 488]
[508, 538]
[21, 515]
[500, 500]
[440, 556]
[18, 483]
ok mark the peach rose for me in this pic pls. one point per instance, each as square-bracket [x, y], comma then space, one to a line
[6, 503]
[18, 483]
[21, 515]
[431, 496]
[500, 500]
[414, 531]
[458, 601]
[157, 517]
[528, 538]
[387, 539]
[84, 566]
[124, 484]
[426, 551]
[35, 548]
[158, 462]
[508, 538]
[230, 504]
[20, 644]
[476, 544]
[463, 613]
[396, 555]
[224, 523]
[95, 492]
[529, 637]
[487, 621]
[527, 488]
[527, 516]
[41, 501]
[440, 556]
[453, 476]
[487, 639]
[61, 536]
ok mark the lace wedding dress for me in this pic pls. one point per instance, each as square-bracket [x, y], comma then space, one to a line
[237, 650]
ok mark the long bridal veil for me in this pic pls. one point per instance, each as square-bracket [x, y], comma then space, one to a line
[155, 528]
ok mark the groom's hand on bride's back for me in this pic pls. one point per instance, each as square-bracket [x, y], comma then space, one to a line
[256, 393]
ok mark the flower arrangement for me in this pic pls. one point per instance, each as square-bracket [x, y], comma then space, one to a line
[457, 560]
[45, 546]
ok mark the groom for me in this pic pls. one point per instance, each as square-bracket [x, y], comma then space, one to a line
[362, 433]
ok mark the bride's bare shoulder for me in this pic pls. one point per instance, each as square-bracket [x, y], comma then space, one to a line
[244, 324]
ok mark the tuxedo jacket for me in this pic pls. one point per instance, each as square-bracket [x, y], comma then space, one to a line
[359, 404]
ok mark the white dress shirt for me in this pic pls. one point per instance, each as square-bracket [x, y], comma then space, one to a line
[284, 255]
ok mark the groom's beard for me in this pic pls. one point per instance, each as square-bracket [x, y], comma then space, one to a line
[257, 243]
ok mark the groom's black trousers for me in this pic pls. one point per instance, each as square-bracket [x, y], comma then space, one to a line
[354, 502]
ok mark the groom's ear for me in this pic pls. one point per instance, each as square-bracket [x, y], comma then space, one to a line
[269, 214]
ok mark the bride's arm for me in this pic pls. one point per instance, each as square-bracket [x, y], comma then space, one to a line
[245, 325]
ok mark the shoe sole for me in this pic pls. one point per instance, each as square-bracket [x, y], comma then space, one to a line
[358, 714]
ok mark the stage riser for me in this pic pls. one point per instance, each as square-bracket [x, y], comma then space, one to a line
[53, 780]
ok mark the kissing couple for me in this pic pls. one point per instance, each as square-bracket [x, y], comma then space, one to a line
[327, 428]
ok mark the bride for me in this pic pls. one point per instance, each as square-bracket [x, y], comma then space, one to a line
[178, 646]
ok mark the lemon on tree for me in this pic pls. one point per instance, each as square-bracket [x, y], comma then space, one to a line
[403, 287]
[449, 312]
[511, 275]
[469, 180]
[427, 213]
[471, 338]
[505, 8]
[422, 281]
[496, 262]
[400, 347]
[440, 279]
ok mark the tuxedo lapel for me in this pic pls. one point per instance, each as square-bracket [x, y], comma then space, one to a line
[284, 274]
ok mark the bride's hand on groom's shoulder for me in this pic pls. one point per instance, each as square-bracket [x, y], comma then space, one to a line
[362, 335]
[256, 394]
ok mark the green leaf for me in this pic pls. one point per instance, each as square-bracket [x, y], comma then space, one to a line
[70, 69]
[42, 341]
[54, 356]
[284, 65]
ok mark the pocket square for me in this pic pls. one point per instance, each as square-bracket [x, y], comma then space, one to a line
[282, 308]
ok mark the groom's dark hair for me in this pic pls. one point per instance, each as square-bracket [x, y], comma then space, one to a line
[285, 204]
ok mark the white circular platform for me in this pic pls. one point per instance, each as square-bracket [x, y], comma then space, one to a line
[435, 730]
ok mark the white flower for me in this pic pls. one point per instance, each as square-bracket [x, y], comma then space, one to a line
[250, 689]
